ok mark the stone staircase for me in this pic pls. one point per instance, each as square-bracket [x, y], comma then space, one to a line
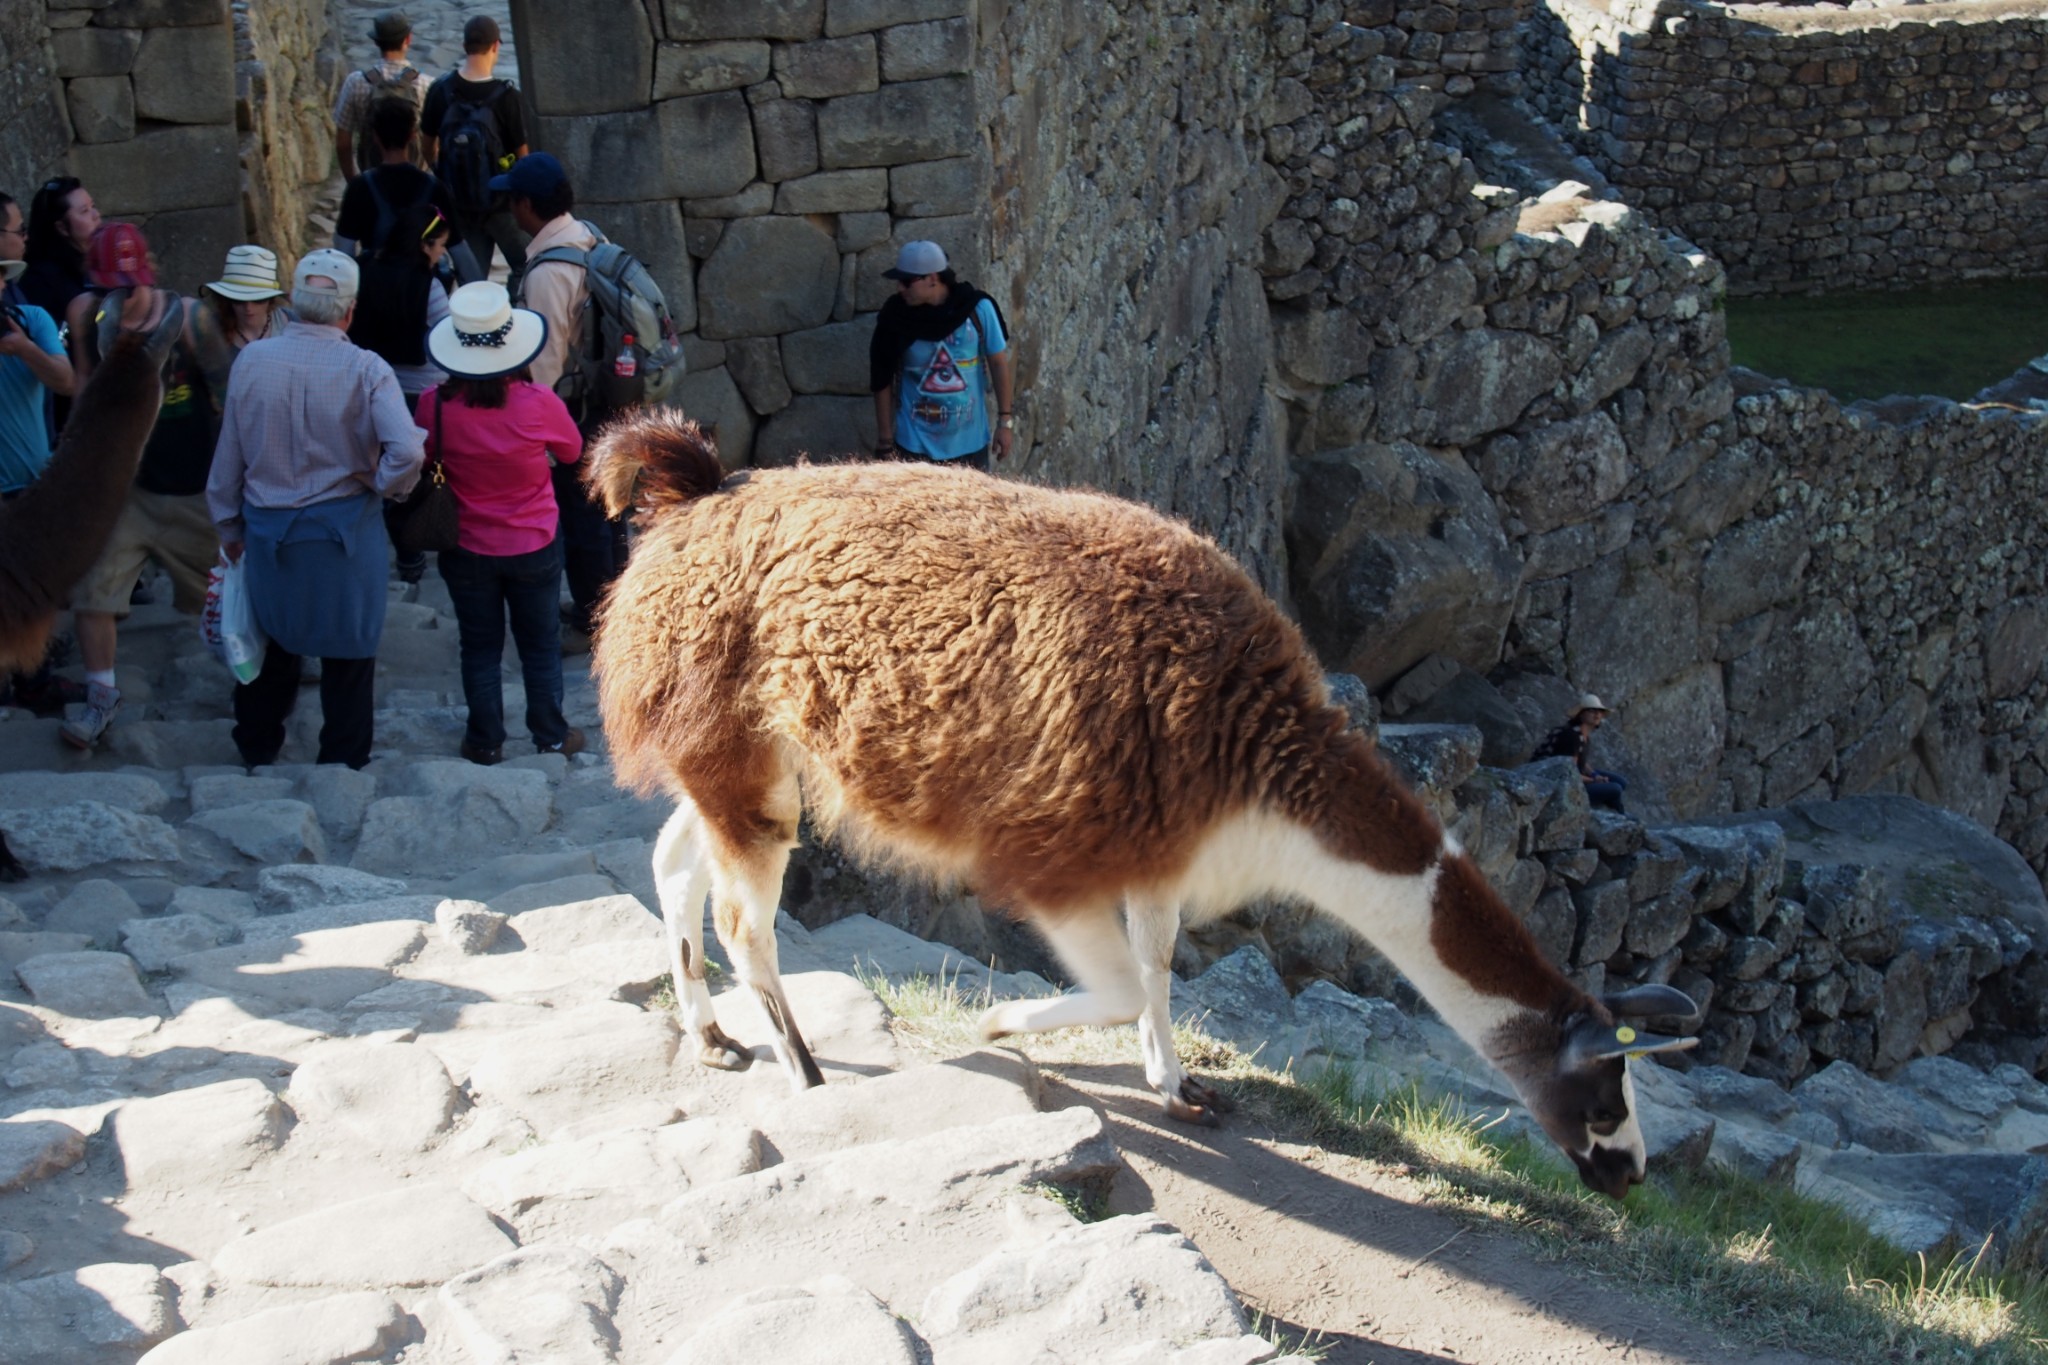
[319, 1066]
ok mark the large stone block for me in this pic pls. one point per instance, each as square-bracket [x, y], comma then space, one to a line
[862, 16]
[915, 52]
[829, 359]
[756, 366]
[94, 51]
[162, 13]
[914, 121]
[768, 276]
[832, 66]
[712, 400]
[825, 429]
[706, 68]
[596, 57]
[786, 138]
[102, 108]
[127, 178]
[937, 189]
[864, 190]
[696, 20]
[695, 148]
[186, 75]
[654, 233]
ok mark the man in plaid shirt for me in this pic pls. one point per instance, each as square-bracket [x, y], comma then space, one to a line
[392, 77]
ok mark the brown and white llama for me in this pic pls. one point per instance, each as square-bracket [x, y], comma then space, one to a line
[52, 533]
[1072, 703]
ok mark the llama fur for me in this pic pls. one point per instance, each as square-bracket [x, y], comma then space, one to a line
[1076, 705]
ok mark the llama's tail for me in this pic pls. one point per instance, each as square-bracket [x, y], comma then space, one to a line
[652, 458]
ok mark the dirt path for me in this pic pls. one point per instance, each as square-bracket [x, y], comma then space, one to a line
[1330, 1244]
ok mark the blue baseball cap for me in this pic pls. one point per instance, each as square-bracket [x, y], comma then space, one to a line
[538, 173]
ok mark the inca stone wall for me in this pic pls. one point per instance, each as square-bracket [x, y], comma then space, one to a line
[1811, 148]
[286, 73]
[766, 160]
[149, 88]
[33, 131]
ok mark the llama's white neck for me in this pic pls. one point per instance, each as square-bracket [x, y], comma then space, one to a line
[1264, 854]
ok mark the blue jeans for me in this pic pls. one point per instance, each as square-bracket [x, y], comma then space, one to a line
[485, 590]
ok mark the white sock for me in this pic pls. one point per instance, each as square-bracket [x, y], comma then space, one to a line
[103, 676]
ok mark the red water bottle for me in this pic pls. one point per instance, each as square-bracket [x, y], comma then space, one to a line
[627, 365]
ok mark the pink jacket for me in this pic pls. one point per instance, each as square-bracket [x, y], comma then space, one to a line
[497, 463]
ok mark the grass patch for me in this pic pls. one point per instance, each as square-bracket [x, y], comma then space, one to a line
[1759, 1262]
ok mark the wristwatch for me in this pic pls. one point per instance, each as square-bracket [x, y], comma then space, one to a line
[1006, 421]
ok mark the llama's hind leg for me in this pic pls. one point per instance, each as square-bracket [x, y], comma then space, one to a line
[682, 878]
[1153, 926]
[744, 894]
[1094, 949]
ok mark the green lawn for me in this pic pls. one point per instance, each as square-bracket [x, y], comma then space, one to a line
[1950, 341]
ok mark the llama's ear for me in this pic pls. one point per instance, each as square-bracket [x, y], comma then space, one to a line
[1650, 1002]
[1590, 1041]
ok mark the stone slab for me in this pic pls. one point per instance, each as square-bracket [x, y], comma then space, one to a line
[361, 1326]
[421, 1235]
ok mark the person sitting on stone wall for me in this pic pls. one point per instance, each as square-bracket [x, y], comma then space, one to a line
[1573, 740]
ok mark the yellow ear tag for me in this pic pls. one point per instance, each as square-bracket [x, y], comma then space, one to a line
[1624, 1034]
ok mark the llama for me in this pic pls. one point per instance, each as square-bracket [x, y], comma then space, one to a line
[1070, 702]
[52, 533]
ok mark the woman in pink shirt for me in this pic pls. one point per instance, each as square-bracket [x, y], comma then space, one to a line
[496, 434]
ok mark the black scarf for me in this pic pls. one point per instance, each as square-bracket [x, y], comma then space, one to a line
[899, 324]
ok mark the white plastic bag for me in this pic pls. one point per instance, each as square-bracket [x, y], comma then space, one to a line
[228, 622]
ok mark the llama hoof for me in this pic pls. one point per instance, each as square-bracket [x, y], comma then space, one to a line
[1202, 1116]
[719, 1052]
[992, 1026]
[1194, 1092]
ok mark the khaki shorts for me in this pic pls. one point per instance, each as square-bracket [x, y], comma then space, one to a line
[176, 532]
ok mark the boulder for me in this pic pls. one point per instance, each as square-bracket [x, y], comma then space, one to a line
[1884, 1118]
[360, 1326]
[545, 1303]
[469, 927]
[33, 1149]
[156, 943]
[197, 1138]
[91, 985]
[95, 908]
[268, 831]
[82, 834]
[1465, 698]
[304, 887]
[390, 1097]
[1241, 1000]
[423, 1234]
[94, 1315]
[1395, 555]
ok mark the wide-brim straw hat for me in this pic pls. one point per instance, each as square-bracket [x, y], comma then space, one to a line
[484, 336]
[249, 276]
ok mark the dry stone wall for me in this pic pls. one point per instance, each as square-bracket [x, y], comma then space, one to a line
[767, 160]
[286, 73]
[1811, 148]
[33, 130]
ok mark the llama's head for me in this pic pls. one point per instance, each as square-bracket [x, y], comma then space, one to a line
[1576, 1082]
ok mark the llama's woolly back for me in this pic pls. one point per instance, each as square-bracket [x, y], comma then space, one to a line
[1051, 692]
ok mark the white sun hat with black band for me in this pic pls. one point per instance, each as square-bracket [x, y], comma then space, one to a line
[484, 336]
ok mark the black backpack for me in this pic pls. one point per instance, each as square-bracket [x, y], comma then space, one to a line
[471, 147]
[387, 213]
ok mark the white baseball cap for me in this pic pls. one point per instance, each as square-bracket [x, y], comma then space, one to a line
[327, 271]
[916, 260]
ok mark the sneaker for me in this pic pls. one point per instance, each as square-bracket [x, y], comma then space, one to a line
[52, 697]
[485, 757]
[83, 730]
[572, 744]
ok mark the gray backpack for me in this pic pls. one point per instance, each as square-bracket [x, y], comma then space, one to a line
[624, 302]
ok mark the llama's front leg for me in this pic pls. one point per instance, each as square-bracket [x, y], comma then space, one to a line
[1092, 945]
[682, 879]
[1153, 926]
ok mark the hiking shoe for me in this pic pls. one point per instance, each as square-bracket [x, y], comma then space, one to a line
[572, 744]
[52, 697]
[84, 728]
[478, 754]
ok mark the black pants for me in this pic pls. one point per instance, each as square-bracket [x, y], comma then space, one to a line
[593, 545]
[347, 708]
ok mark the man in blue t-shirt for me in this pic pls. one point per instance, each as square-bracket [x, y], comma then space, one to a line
[937, 348]
[32, 360]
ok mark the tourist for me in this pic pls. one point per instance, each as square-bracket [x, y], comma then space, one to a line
[314, 434]
[240, 307]
[474, 129]
[399, 302]
[1573, 740]
[393, 78]
[61, 224]
[925, 365]
[164, 518]
[543, 204]
[373, 201]
[496, 433]
[33, 366]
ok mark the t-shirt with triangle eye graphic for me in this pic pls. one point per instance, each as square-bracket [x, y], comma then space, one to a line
[942, 394]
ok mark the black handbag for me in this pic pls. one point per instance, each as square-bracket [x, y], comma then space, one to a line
[428, 519]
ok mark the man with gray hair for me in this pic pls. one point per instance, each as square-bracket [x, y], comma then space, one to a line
[314, 435]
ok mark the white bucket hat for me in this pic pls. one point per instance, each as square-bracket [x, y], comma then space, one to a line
[484, 336]
[250, 275]
[1589, 702]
